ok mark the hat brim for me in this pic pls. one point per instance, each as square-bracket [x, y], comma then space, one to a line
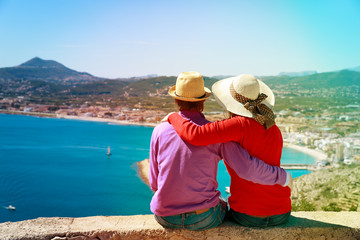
[221, 91]
[202, 98]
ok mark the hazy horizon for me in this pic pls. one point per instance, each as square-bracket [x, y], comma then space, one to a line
[158, 75]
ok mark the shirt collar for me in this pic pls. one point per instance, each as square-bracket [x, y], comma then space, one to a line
[191, 114]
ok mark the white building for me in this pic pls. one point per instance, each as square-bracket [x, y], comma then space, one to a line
[340, 152]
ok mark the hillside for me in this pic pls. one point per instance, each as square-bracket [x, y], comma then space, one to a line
[109, 87]
[50, 82]
[316, 81]
[153, 85]
[335, 189]
[49, 73]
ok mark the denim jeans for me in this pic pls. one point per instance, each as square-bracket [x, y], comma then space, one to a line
[250, 221]
[193, 221]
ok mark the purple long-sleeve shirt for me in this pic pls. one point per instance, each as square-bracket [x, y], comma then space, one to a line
[183, 176]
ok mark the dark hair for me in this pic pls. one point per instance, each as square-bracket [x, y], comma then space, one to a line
[190, 106]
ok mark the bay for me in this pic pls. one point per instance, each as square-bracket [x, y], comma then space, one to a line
[58, 168]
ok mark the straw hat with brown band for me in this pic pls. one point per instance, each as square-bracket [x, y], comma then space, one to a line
[190, 87]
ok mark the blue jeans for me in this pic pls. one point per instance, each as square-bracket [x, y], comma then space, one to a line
[192, 221]
[250, 221]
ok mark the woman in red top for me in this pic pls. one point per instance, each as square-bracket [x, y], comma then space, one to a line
[249, 102]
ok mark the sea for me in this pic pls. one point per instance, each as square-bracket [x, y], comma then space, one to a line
[53, 167]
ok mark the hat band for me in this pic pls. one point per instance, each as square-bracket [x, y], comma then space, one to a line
[263, 114]
[190, 97]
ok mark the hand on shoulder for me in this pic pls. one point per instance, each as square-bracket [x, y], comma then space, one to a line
[165, 119]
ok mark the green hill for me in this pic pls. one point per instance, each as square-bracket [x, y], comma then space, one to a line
[111, 87]
[47, 78]
[316, 81]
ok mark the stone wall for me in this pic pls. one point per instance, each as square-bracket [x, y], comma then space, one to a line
[302, 225]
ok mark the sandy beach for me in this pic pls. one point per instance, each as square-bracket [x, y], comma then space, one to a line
[318, 155]
[144, 168]
[93, 119]
[108, 120]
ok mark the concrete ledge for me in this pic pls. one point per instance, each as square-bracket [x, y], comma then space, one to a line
[302, 225]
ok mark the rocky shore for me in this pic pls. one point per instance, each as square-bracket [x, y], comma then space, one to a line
[333, 189]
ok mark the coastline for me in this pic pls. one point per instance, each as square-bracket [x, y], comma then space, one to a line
[144, 165]
[108, 120]
[35, 114]
[318, 155]
[144, 168]
[82, 118]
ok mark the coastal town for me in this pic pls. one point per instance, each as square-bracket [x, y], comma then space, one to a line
[301, 131]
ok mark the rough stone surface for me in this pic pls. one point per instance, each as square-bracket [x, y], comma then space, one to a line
[337, 186]
[302, 225]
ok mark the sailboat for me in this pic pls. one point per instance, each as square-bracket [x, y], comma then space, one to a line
[10, 207]
[108, 152]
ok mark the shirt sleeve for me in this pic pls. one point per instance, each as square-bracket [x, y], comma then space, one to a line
[251, 168]
[154, 170]
[217, 132]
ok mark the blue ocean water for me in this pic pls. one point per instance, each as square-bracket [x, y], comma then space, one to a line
[57, 167]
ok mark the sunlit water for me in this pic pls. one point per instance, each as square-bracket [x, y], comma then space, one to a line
[57, 167]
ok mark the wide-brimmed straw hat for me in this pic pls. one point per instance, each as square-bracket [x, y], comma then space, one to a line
[190, 87]
[233, 93]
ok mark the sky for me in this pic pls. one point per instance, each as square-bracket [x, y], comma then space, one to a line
[117, 39]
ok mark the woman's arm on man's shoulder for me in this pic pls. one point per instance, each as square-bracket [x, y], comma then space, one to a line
[216, 132]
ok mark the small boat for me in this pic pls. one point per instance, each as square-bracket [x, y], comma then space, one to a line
[108, 152]
[11, 207]
[227, 189]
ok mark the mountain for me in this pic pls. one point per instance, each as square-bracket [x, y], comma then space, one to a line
[45, 70]
[297, 74]
[342, 78]
[356, 69]
[38, 77]
[222, 76]
[37, 62]
[137, 78]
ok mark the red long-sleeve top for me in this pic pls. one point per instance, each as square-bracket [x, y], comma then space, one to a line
[246, 197]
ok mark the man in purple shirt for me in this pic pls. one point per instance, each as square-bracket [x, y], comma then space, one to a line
[183, 176]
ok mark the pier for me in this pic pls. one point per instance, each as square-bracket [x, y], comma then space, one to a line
[298, 166]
